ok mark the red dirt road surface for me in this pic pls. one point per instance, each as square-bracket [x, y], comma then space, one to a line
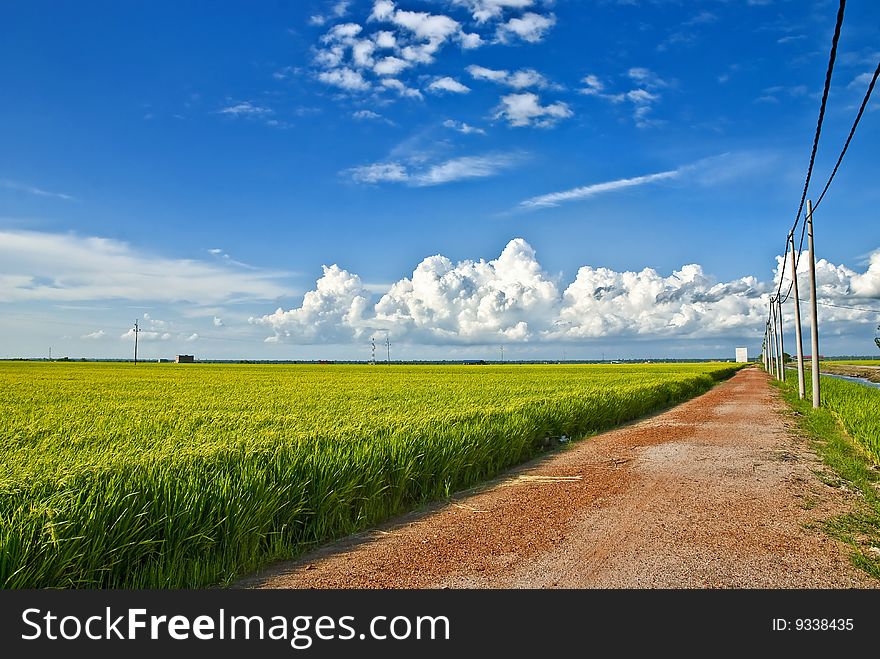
[715, 493]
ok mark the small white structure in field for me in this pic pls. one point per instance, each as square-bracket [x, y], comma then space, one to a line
[742, 355]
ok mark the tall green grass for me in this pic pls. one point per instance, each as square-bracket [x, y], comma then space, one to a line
[186, 476]
[845, 435]
[855, 406]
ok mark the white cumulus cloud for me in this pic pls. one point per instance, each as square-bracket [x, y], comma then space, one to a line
[512, 299]
[390, 66]
[401, 88]
[447, 84]
[522, 79]
[344, 78]
[529, 27]
[526, 110]
[485, 10]
[333, 310]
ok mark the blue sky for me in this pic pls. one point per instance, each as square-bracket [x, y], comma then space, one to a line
[587, 177]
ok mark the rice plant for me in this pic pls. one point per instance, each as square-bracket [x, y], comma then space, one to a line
[167, 476]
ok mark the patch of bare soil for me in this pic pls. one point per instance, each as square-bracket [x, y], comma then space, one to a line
[715, 493]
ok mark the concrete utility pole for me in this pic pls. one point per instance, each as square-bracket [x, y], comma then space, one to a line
[781, 342]
[774, 339]
[814, 313]
[136, 331]
[764, 351]
[798, 339]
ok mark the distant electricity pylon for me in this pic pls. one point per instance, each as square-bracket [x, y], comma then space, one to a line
[502, 353]
[373, 350]
[136, 331]
[388, 347]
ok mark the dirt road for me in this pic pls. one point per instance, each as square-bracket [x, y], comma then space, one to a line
[715, 493]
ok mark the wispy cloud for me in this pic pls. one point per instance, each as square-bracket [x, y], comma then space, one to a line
[369, 115]
[379, 172]
[646, 78]
[721, 169]
[703, 18]
[42, 266]
[643, 97]
[586, 191]
[448, 171]
[252, 111]
[34, 190]
[463, 127]
[245, 109]
[466, 167]
[861, 81]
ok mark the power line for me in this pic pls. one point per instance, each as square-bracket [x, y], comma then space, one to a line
[841, 306]
[851, 133]
[831, 59]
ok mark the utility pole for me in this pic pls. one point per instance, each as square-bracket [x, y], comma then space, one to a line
[764, 348]
[814, 313]
[777, 353]
[797, 321]
[781, 342]
[773, 354]
[136, 331]
[766, 339]
[388, 347]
